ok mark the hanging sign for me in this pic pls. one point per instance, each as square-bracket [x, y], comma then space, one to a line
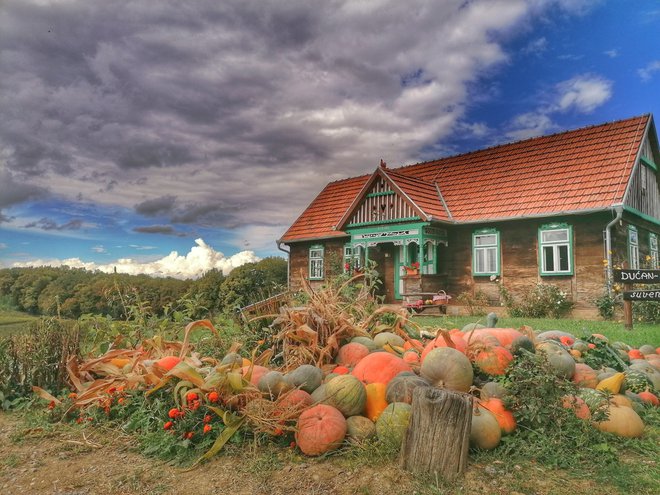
[382, 235]
[637, 276]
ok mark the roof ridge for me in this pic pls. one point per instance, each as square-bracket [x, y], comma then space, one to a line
[481, 150]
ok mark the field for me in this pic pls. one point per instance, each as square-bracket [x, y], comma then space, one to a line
[13, 321]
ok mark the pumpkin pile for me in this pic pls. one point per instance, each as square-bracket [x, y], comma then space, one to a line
[334, 372]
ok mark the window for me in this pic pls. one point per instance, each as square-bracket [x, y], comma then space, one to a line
[353, 256]
[316, 263]
[633, 247]
[428, 265]
[556, 249]
[653, 250]
[486, 252]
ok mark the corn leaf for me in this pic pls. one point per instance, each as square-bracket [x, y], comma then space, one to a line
[220, 442]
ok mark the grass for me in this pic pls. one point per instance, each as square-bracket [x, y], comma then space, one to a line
[642, 333]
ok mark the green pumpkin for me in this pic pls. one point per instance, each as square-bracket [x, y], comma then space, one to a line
[561, 362]
[347, 394]
[305, 377]
[392, 424]
[360, 428]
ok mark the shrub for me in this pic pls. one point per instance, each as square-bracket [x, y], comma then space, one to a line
[543, 301]
[607, 305]
[475, 303]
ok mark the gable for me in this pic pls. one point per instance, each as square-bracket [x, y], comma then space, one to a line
[380, 201]
[643, 192]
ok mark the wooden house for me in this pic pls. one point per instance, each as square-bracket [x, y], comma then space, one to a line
[558, 209]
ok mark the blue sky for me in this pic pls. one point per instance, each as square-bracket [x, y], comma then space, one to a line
[130, 130]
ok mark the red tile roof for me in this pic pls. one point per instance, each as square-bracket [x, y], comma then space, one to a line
[580, 170]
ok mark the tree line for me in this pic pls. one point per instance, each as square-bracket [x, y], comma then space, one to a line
[73, 292]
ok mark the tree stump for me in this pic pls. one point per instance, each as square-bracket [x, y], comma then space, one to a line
[438, 437]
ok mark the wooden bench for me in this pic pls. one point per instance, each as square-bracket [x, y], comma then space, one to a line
[416, 301]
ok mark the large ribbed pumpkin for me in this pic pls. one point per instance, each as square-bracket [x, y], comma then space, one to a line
[347, 394]
[622, 421]
[321, 428]
[293, 402]
[505, 336]
[448, 368]
[351, 354]
[485, 432]
[393, 423]
[379, 367]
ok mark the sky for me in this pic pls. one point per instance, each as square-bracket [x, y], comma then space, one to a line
[170, 137]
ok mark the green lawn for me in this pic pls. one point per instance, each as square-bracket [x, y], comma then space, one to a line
[642, 333]
[14, 321]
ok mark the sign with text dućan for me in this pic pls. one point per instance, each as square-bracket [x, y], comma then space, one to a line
[637, 276]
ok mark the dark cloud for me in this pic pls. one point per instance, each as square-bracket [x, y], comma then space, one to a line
[4, 218]
[156, 206]
[159, 229]
[13, 191]
[255, 102]
[49, 224]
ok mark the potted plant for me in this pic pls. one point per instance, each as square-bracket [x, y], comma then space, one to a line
[412, 269]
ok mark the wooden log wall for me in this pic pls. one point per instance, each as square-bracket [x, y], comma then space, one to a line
[333, 261]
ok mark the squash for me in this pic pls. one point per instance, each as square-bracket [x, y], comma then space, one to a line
[578, 405]
[347, 394]
[321, 428]
[319, 394]
[367, 342]
[485, 432]
[256, 373]
[376, 401]
[292, 402]
[388, 338]
[273, 384]
[379, 367]
[411, 357]
[448, 368]
[611, 384]
[168, 362]
[402, 386]
[392, 424]
[445, 339]
[493, 389]
[232, 359]
[360, 428]
[505, 336]
[585, 376]
[350, 354]
[503, 416]
[520, 343]
[561, 362]
[647, 349]
[305, 377]
[622, 421]
[649, 398]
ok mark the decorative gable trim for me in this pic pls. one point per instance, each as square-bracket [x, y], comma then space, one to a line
[354, 217]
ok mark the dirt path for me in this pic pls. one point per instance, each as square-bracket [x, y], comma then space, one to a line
[69, 461]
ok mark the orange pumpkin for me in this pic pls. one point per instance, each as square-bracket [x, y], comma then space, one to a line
[503, 416]
[578, 405]
[351, 354]
[622, 421]
[293, 402]
[585, 376]
[379, 367]
[649, 398]
[168, 362]
[635, 354]
[446, 339]
[321, 428]
[493, 361]
[376, 403]
[257, 373]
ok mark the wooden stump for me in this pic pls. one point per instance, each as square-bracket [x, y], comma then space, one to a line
[438, 437]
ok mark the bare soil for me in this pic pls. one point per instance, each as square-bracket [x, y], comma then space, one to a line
[94, 461]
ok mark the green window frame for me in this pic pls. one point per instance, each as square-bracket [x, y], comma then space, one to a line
[316, 256]
[653, 250]
[633, 247]
[430, 256]
[485, 253]
[555, 243]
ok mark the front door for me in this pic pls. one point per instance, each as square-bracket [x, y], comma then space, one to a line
[399, 262]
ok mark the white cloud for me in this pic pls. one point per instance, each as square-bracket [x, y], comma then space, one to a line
[99, 249]
[646, 73]
[139, 247]
[199, 260]
[3, 245]
[583, 93]
[613, 53]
